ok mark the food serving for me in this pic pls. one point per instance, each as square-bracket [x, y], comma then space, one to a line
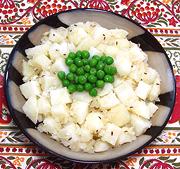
[89, 87]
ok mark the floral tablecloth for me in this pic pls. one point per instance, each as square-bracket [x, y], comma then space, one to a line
[160, 17]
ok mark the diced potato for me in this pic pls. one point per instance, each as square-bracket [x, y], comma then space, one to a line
[118, 33]
[150, 75]
[49, 82]
[101, 146]
[123, 65]
[94, 122]
[38, 50]
[30, 88]
[79, 110]
[119, 115]
[111, 50]
[141, 109]
[76, 34]
[60, 96]
[69, 133]
[126, 135]
[30, 108]
[142, 90]
[111, 133]
[152, 108]
[155, 90]
[94, 51]
[125, 93]
[59, 65]
[85, 135]
[87, 43]
[83, 96]
[122, 43]
[60, 111]
[108, 101]
[136, 53]
[98, 33]
[106, 89]
[44, 105]
[140, 124]
[27, 70]
[58, 35]
[41, 62]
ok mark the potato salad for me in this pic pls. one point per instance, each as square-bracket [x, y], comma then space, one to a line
[89, 114]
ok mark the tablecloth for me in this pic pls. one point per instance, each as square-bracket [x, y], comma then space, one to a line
[160, 17]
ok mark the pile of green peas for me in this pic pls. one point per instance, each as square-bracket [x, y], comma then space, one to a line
[87, 74]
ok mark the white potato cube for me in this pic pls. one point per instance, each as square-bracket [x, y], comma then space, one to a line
[60, 111]
[60, 96]
[111, 50]
[111, 133]
[49, 82]
[118, 33]
[123, 64]
[126, 135]
[141, 109]
[125, 93]
[58, 35]
[155, 90]
[38, 50]
[94, 51]
[41, 61]
[27, 70]
[106, 89]
[59, 65]
[82, 97]
[79, 110]
[101, 146]
[119, 115]
[122, 43]
[152, 108]
[142, 90]
[94, 122]
[44, 105]
[30, 108]
[76, 34]
[85, 135]
[30, 88]
[150, 75]
[108, 101]
[140, 124]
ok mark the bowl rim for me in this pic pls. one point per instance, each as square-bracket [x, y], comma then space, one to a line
[46, 149]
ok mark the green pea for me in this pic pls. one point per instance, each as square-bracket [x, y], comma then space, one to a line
[71, 88]
[82, 79]
[65, 82]
[93, 71]
[80, 88]
[107, 69]
[100, 83]
[88, 86]
[86, 75]
[68, 61]
[71, 55]
[93, 92]
[87, 68]
[61, 75]
[78, 62]
[108, 78]
[100, 65]
[103, 58]
[109, 60]
[85, 54]
[76, 79]
[80, 71]
[73, 68]
[78, 54]
[110, 70]
[96, 57]
[70, 76]
[100, 74]
[85, 61]
[92, 79]
[93, 62]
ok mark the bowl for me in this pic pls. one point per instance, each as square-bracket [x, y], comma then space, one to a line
[158, 60]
